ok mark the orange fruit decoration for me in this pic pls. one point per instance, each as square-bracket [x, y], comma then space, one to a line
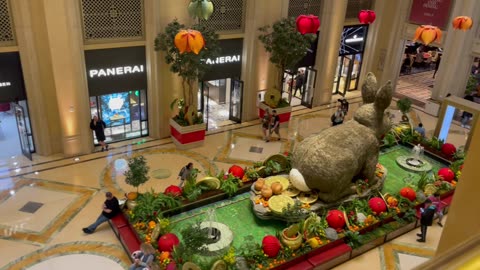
[427, 34]
[189, 41]
[462, 22]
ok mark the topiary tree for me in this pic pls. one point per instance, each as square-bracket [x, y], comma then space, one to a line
[404, 105]
[137, 173]
[285, 44]
[189, 66]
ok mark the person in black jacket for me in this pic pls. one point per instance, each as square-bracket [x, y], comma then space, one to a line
[99, 126]
[110, 208]
[426, 219]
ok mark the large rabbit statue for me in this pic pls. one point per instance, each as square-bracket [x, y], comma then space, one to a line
[328, 161]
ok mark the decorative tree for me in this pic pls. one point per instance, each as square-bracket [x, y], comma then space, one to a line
[137, 173]
[404, 105]
[188, 65]
[285, 44]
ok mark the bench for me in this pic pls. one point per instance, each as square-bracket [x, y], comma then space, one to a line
[125, 233]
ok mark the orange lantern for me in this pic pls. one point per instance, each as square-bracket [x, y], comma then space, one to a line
[189, 41]
[366, 16]
[427, 34]
[462, 22]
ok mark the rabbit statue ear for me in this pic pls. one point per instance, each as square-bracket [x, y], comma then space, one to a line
[369, 88]
[383, 97]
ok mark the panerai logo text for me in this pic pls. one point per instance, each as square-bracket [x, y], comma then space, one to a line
[116, 71]
[224, 60]
[5, 84]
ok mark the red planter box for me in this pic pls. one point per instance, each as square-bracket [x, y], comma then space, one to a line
[284, 113]
[189, 136]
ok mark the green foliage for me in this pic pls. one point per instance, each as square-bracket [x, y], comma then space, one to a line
[252, 251]
[191, 190]
[189, 66]
[285, 44]
[282, 103]
[272, 167]
[459, 154]
[389, 139]
[137, 173]
[404, 105]
[353, 239]
[472, 85]
[194, 241]
[294, 213]
[435, 143]
[230, 185]
[151, 204]
[425, 178]
[455, 166]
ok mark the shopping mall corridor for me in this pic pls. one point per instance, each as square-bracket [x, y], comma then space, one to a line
[44, 205]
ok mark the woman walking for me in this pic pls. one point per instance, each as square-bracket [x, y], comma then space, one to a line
[266, 125]
[99, 126]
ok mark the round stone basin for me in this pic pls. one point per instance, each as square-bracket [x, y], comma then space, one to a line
[223, 233]
[413, 163]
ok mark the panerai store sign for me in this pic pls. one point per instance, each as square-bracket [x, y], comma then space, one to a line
[116, 71]
[224, 60]
[5, 84]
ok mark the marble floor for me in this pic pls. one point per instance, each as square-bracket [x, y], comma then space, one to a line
[45, 203]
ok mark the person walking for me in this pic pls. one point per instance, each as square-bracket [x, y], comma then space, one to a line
[426, 219]
[439, 205]
[110, 208]
[338, 117]
[437, 64]
[266, 125]
[275, 124]
[185, 173]
[143, 259]
[344, 103]
[299, 82]
[99, 126]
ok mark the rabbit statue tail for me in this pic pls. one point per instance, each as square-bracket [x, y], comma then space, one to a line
[297, 180]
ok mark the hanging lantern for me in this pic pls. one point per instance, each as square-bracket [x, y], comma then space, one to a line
[366, 16]
[308, 24]
[201, 9]
[428, 34]
[462, 22]
[189, 41]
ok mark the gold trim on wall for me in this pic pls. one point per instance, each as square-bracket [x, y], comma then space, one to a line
[114, 45]
[9, 49]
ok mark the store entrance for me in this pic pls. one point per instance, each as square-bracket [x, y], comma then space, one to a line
[346, 74]
[220, 102]
[298, 86]
[125, 114]
[15, 130]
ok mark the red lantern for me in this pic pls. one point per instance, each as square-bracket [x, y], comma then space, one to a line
[377, 205]
[408, 193]
[174, 191]
[366, 16]
[271, 246]
[448, 149]
[189, 41]
[335, 219]
[236, 171]
[427, 34]
[462, 22]
[308, 24]
[167, 242]
[446, 174]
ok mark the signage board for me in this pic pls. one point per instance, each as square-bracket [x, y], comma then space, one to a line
[12, 87]
[116, 70]
[430, 12]
[229, 63]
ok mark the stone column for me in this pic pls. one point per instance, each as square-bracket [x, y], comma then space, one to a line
[64, 37]
[456, 61]
[257, 71]
[463, 220]
[332, 20]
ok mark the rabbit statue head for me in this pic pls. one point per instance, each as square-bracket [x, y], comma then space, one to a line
[331, 159]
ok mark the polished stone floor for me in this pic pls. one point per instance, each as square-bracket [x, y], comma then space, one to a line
[44, 204]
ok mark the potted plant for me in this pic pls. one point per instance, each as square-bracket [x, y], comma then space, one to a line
[136, 175]
[187, 127]
[287, 47]
[404, 105]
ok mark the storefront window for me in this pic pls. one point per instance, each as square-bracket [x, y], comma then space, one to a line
[124, 114]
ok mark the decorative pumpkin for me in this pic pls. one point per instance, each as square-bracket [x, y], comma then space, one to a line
[427, 34]
[200, 8]
[271, 246]
[266, 192]
[366, 16]
[307, 24]
[446, 174]
[167, 242]
[277, 188]
[408, 193]
[462, 22]
[377, 205]
[189, 41]
[236, 171]
[448, 149]
[335, 219]
[174, 191]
